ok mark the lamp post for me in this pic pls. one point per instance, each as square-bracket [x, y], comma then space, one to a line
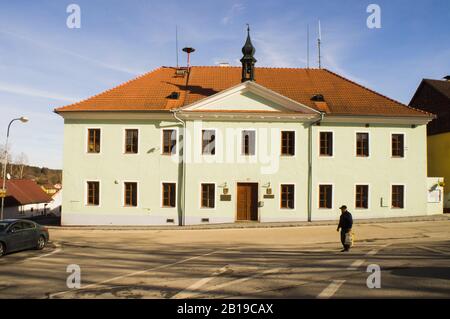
[23, 120]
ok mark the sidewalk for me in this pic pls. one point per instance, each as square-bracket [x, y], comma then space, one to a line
[443, 217]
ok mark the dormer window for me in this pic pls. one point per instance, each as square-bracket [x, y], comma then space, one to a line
[174, 95]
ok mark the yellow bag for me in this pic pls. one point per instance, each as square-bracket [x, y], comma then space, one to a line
[349, 238]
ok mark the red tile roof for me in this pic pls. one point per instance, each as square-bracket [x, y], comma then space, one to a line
[25, 191]
[150, 92]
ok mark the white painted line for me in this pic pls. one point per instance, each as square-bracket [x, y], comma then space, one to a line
[134, 273]
[329, 291]
[355, 265]
[192, 290]
[238, 281]
[434, 250]
[376, 250]
[57, 250]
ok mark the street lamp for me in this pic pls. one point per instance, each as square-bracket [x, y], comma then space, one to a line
[23, 119]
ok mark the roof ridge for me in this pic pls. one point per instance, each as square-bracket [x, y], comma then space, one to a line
[57, 109]
[377, 93]
[258, 67]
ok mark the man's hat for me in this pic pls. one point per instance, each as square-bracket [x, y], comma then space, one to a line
[343, 207]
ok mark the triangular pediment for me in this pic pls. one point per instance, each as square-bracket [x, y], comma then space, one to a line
[249, 97]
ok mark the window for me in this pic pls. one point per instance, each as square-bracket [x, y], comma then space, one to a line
[362, 196]
[326, 143]
[325, 196]
[287, 196]
[362, 144]
[248, 141]
[169, 142]
[398, 145]
[288, 143]
[169, 194]
[208, 195]
[93, 193]
[131, 141]
[208, 142]
[93, 140]
[28, 225]
[398, 196]
[130, 194]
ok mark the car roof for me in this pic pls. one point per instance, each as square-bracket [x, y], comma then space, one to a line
[11, 220]
[8, 220]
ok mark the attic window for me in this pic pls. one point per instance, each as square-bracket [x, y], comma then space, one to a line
[174, 95]
[318, 98]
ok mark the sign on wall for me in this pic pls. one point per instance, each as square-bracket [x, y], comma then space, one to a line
[435, 196]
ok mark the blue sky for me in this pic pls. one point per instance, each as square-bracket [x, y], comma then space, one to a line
[44, 64]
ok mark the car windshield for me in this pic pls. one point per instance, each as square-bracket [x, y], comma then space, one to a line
[3, 226]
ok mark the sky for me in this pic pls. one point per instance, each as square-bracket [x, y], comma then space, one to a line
[44, 64]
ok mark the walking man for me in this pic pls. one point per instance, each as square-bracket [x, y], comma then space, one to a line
[345, 225]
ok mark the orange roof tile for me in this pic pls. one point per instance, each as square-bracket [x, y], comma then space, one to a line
[150, 92]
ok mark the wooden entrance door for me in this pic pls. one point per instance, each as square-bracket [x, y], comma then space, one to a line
[247, 201]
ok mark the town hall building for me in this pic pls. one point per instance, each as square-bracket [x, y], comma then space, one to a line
[223, 144]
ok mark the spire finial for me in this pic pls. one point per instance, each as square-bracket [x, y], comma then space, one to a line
[248, 60]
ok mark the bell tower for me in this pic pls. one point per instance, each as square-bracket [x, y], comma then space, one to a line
[248, 60]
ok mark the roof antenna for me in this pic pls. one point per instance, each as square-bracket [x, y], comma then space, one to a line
[188, 51]
[176, 42]
[319, 39]
[307, 46]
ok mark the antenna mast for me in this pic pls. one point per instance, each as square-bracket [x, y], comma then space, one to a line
[307, 46]
[176, 42]
[319, 39]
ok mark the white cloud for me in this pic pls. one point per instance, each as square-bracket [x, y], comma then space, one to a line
[235, 10]
[72, 53]
[21, 90]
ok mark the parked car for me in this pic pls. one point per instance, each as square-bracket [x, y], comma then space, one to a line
[19, 234]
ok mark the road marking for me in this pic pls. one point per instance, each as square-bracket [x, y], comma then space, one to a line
[193, 289]
[329, 291]
[238, 281]
[57, 250]
[355, 265]
[134, 273]
[376, 250]
[434, 250]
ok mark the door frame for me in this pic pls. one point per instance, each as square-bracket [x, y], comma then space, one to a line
[257, 203]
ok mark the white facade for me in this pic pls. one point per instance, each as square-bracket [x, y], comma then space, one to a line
[247, 107]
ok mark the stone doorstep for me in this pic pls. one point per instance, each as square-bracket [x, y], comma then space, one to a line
[240, 225]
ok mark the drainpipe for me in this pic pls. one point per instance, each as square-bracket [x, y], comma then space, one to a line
[310, 165]
[183, 168]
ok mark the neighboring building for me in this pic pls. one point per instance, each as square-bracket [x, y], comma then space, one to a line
[55, 206]
[223, 144]
[434, 96]
[24, 198]
[50, 189]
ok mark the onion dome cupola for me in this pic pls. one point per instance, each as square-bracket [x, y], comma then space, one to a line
[248, 60]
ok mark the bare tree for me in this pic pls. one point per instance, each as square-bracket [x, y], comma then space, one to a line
[21, 162]
[2, 156]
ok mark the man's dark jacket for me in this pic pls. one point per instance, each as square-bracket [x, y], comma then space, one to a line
[346, 221]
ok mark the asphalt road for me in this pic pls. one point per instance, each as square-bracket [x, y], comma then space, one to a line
[297, 262]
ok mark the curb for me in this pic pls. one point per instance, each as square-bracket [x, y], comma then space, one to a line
[246, 225]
